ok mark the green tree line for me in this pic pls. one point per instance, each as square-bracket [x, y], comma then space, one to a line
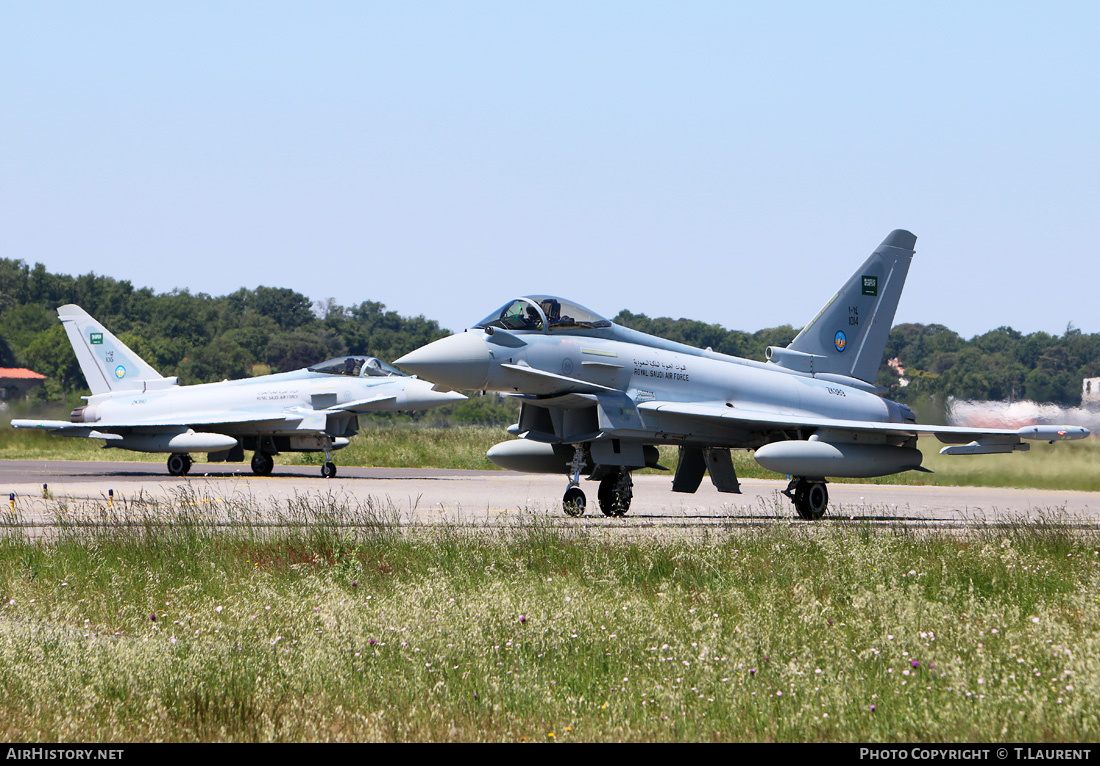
[197, 337]
[1002, 364]
[201, 338]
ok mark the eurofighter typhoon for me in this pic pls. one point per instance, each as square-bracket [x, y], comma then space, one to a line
[597, 398]
[311, 410]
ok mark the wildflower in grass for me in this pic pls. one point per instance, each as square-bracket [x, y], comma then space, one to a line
[916, 663]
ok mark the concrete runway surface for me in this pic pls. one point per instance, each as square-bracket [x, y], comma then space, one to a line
[424, 496]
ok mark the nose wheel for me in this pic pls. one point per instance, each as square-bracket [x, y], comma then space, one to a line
[328, 470]
[573, 502]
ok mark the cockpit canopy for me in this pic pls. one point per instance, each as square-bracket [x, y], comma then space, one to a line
[539, 312]
[356, 366]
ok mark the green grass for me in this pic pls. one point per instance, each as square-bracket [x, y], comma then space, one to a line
[339, 625]
[1068, 465]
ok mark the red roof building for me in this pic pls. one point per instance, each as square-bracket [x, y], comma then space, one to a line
[16, 381]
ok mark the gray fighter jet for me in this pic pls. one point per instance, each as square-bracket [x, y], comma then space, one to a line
[597, 397]
[312, 410]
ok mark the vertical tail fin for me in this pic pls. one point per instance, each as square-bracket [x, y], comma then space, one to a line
[108, 364]
[851, 331]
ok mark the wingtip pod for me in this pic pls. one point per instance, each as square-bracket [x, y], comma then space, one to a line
[1053, 433]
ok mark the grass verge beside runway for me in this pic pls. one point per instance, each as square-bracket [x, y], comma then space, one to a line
[339, 624]
[1067, 465]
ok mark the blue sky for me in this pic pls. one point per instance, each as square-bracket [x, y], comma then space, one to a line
[728, 162]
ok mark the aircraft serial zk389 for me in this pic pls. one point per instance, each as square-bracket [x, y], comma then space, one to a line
[597, 397]
[312, 410]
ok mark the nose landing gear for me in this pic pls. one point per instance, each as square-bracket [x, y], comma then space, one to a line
[573, 502]
[328, 470]
[614, 494]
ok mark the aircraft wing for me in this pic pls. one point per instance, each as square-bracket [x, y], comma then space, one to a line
[365, 405]
[66, 428]
[98, 430]
[964, 440]
[547, 383]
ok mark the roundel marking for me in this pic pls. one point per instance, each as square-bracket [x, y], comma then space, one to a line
[120, 371]
[840, 340]
[567, 366]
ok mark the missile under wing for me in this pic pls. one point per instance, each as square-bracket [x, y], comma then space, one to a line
[597, 398]
[311, 410]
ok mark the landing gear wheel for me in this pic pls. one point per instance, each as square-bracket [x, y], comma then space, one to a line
[262, 464]
[573, 502]
[328, 470]
[179, 464]
[615, 494]
[811, 499]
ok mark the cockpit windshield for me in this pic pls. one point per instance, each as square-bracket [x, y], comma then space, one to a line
[356, 366]
[566, 315]
[535, 312]
[520, 314]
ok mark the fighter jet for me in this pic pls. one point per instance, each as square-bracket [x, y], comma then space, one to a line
[312, 410]
[597, 398]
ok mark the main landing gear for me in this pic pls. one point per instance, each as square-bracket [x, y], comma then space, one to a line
[810, 497]
[616, 491]
[262, 463]
[614, 495]
[179, 464]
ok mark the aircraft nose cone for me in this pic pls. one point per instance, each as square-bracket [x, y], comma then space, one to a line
[460, 361]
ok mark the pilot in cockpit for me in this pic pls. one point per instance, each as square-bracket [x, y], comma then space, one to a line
[533, 318]
[352, 366]
[553, 311]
